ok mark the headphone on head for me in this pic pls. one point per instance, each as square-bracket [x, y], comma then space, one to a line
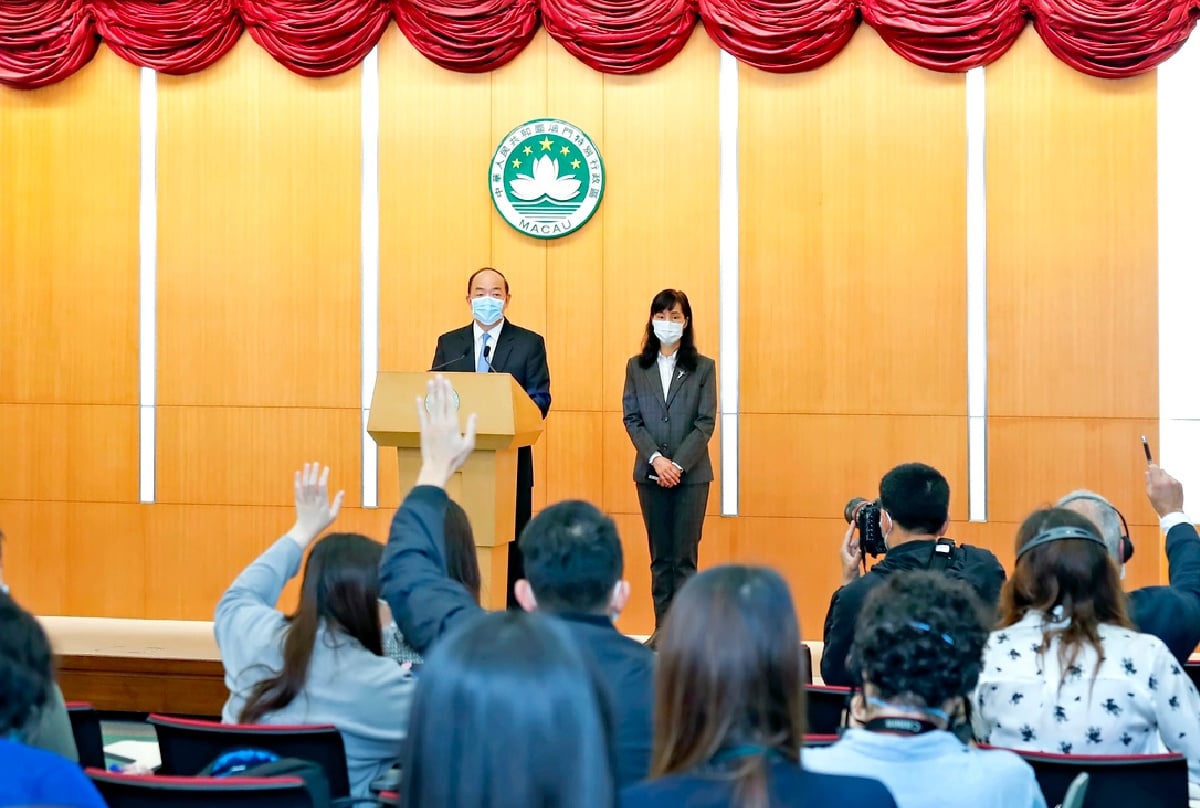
[1058, 534]
[1124, 544]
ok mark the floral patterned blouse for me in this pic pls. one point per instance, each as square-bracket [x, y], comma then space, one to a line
[1139, 701]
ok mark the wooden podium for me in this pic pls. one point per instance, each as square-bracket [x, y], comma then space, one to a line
[486, 485]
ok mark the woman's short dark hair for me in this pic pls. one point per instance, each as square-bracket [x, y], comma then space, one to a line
[509, 715]
[1077, 575]
[341, 591]
[919, 639]
[730, 678]
[26, 666]
[462, 564]
[685, 357]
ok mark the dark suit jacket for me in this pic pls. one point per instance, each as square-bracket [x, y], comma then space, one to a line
[679, 426]
[787, 784]
[520, 352]
[978, 567]
[426, 604]
[1172, 612]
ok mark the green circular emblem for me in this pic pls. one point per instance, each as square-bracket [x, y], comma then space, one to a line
[547, 178]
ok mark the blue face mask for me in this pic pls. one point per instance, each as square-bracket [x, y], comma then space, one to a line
[487, 310]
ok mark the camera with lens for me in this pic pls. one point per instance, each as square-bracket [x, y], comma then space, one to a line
[864, 514]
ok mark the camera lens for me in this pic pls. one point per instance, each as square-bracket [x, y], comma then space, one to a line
[852, 508]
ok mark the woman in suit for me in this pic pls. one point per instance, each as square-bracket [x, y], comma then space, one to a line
[670, 404]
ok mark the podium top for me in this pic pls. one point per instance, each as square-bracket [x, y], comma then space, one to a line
[507, 417]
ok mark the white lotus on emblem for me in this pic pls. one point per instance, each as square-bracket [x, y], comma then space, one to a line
[544, 182]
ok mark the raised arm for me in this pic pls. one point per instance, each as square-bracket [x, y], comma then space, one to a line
[424, 601]
[249, 603]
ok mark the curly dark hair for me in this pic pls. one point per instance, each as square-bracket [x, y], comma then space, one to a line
[26, 671]
[919, 639]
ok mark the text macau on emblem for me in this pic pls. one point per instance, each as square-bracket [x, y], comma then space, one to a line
[547, 178]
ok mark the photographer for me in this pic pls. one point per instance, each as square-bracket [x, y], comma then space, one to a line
[911, 516]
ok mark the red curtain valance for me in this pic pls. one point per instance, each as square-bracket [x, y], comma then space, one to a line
[45, 41]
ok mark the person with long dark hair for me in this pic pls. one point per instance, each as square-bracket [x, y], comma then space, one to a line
[670, 405]
[508, 715]
[1066, 672]
[916, 656]
[730, 704]
[324, 663]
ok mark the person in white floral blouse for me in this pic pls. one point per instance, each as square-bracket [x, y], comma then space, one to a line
[1066, 672]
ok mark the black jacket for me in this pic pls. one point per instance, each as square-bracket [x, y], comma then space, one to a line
[518, 351]
[1172, 612]
[426, 604]
[978, 567]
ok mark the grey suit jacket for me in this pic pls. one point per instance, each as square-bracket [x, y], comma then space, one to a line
[679, 426]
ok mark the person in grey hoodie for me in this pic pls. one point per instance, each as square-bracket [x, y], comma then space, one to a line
[324, 663]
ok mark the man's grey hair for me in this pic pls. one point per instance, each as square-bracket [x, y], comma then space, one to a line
[1102, 513]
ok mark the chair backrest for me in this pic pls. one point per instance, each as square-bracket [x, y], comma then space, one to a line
[812, 740]
[1147, 781]
[1192, 669]
[825, 707]
[188, 745]
[156, 791]
[85, 726]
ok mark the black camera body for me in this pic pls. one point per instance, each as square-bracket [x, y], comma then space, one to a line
[864, 514]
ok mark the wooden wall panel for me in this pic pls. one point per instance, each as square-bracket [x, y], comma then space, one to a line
[809, 466]
[853, 237]
[82, 452]
[1072, 240]
[246, 456]
[259, 181]
[69, 238]
[35, 558]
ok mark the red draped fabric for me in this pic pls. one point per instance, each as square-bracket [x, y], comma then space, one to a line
[783, 36]
[171, 36]
[470, 36]
[620, 36]
[1113, 39]
[45, 41]
[316, 37]
[946, 34]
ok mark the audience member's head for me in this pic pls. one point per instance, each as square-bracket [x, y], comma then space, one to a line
[508, 715]
[918, 646]
[1063, 571]
[915, 499]
[26, 673]
[729, 689]
[1101, 513]
[462, 564]
[573, 562]
[340, 591]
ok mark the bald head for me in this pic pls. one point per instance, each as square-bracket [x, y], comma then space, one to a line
[1101, 513]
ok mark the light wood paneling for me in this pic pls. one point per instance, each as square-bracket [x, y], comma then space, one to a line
[853, 237]
[246, 456]
[259, 181]
[106, 548]
[1034, 461]
[69, 452]
[1072, 240]
[434, 209]
[574, 444]
[35, 559]
[575, 264]
[811, 465]
[69, 238]
[660, 221]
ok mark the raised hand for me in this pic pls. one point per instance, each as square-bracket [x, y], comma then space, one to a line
[851, 553]
[314, 511]
[1164, 491]
[444, 446]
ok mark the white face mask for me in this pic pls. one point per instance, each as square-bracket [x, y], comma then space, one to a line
[667, 331]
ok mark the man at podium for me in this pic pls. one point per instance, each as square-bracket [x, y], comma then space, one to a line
[492, 344]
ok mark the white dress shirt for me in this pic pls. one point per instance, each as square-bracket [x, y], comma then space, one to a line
[666, 369]
[1139, 700]
[493, 337]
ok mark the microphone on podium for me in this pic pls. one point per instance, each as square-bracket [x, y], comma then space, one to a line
[464, 355]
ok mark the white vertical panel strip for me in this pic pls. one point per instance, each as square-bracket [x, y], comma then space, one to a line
[730, 326]
[977, 295]
[370, 268]
[147, 282]
[1179, 268]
